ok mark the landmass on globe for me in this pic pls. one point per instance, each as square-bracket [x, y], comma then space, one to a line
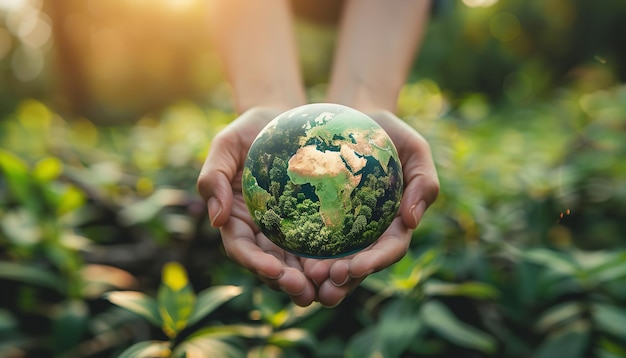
[322, 180]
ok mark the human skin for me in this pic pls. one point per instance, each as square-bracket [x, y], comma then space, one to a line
[376, 46]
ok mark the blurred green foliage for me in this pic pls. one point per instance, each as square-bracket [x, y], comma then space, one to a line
[523, 254]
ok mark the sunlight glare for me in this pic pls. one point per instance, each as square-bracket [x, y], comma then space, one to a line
[8, 5]
[37, 33]
[179, 5]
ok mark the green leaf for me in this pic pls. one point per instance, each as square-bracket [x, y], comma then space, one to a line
[176, 299]
[47, 169]
[609, 349]
[553, 260]
[610, 319]
[600, 353]
[406, 274]
[611, 269]
[17, 176]
[398, 327]
[211, 298]
[293, 337]
[270, 305]
[8, 322]
[269, 351]
[477, 290]
[30, 274]
[21, 227]
[410, 270]
[71, 199]
[296, 313]
[365, 344]
[147, 349]
[138, 303]
[439, 318]
[234, 330]
[145, 210]
[558, 314]
[570, 342]
[205, 347]
[69, 325]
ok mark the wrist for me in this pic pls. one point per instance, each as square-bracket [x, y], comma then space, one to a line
[258, 95]
[366, 95]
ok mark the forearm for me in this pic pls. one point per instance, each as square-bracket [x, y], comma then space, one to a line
[377, 43]
[256, 42]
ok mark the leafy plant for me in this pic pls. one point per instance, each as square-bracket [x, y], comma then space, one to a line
[414, 319]
[283, 334]
[176, 308]
[587, 309]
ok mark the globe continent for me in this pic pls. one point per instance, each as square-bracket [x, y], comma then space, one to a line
[322, 180]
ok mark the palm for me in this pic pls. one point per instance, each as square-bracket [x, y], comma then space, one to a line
[305, 279]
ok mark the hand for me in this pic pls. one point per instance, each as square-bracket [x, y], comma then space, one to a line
[305, 280]
[336, 278]
[219, 183]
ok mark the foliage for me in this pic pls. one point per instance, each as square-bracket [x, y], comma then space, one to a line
[523, 254]
[176, 308]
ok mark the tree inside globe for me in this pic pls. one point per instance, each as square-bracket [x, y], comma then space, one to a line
[322, 180]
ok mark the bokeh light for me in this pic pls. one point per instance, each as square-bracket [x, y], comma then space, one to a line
[31, 30]
[27, 63]
[8, 5]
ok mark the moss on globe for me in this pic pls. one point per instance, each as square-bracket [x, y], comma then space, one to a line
[322, 180]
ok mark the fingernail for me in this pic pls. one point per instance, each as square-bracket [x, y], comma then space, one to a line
[315, 283]
[215, 209]
[418, 211]
[296, 294]
[335, 305]
[276, 277]
[342, 283]
[364, 275]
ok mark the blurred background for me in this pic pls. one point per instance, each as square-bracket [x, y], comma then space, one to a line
[117, 59]
[107, 110]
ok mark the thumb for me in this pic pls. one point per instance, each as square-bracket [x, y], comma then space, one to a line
[218, 173]
[421, 183]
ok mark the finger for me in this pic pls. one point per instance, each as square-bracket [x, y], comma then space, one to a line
[330, 295]
[339, 272]
[259, 255]
[240, 244]
[217, 175]
[220, 174]
[421, 184]
[317, 270]
[294, 283]
[392, 245]
[306, 297]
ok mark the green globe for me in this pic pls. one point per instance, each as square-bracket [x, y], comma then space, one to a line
[322, 180]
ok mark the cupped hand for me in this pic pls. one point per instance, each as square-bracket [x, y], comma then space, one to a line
[303, 279]
[336, 278]
[219, 184]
